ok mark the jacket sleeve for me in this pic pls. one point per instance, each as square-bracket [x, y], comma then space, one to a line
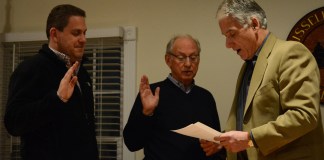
[296, 88]
[30, 104]
[138, 128]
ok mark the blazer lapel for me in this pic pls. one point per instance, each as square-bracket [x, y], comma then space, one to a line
[259, 69]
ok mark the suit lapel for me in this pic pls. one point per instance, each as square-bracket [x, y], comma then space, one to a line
[259, 69]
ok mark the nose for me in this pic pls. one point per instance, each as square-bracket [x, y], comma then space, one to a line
[83, 38]
[187, 61]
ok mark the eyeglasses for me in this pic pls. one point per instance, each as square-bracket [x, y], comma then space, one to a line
[182, 59]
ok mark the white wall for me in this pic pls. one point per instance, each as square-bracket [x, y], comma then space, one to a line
[157, 21]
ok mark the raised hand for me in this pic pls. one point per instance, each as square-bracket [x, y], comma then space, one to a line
[67, 83]
[149, 100]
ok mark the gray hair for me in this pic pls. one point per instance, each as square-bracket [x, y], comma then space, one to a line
[169, 49]
[243, 11]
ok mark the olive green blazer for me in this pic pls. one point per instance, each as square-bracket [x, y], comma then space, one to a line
[283, 104]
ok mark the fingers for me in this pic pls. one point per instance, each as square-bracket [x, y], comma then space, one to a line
[217, 138]
[74, 68]
[73, 81]
[144, 84]
[144, 80]
[222, 138]
[233, 141]
[209, 148]
[202, 141]
[157, 92]
[71, 72]
[68, 82]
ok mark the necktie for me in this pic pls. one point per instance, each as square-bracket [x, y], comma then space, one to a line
[243, 93]
[241, 101]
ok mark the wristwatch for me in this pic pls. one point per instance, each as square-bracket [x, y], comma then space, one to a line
[250, 143]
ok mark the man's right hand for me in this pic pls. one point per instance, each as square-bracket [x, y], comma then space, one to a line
[67, 83]
[149, 100]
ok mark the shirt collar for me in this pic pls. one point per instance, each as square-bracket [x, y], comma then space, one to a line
[259, 49]
[180, 85]
[255, 57]
[63, 57]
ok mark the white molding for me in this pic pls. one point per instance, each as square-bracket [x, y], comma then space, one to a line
[105, 32]
[130, 33]
[26, 36]
[129, 85]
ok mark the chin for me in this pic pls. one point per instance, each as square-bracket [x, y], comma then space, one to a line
[243, 58]
[79, 55]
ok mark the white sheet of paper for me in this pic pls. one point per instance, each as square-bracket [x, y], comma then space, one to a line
[199, 130]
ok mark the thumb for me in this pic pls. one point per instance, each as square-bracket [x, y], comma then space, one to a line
[73, 81]
[157, 92]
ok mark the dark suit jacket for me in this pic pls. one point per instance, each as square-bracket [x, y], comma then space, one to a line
[49, 128]
[282, 107]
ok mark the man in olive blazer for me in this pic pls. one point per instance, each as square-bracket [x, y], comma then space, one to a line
[282, 107]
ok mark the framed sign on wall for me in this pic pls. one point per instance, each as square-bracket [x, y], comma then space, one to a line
[309, 30]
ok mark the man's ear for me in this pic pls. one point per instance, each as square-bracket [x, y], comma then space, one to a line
[255, 23]
[53, 34]
[167, 58]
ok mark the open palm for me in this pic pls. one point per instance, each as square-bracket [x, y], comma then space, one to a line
[149, 100]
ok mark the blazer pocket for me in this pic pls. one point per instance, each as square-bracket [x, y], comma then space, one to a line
[266, 103]
[264, 89]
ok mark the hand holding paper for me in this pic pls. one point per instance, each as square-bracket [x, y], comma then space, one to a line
[199, 130]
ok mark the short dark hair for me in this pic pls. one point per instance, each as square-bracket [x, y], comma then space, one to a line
[59, 16]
